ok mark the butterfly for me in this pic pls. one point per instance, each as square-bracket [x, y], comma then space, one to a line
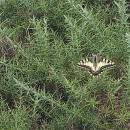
[95, 64]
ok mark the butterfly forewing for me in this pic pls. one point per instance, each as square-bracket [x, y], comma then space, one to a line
[106, 64]
[85, 64]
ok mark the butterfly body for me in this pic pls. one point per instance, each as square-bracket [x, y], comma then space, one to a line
[95, 64]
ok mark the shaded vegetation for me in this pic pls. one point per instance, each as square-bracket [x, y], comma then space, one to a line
[41, 86]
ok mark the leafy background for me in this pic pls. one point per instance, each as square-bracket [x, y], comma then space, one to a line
[41, 87]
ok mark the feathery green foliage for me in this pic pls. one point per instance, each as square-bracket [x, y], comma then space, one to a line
[41, 86]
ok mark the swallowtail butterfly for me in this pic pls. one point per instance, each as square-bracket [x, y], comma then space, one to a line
[95, 64]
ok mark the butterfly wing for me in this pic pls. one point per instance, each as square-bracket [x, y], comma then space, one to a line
[104, 63]
[85, 64]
